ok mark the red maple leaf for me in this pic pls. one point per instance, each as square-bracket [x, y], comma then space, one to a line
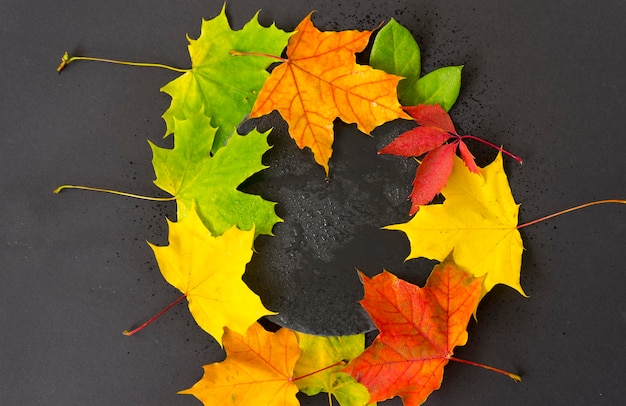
[419, 328]
[429, 138]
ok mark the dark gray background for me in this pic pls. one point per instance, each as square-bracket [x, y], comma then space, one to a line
[545, 79]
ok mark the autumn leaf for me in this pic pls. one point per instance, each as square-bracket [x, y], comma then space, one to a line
[320, 81]
[432, 116]
[194, 177]
[396, 51]
[435, 129]
[208, 271]
[257, 370]
[432, 174]
[419, 328]
[312, 375]
[477, 222]
[223, 86]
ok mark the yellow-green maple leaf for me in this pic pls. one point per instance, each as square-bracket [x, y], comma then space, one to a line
[312, 376]
[223, 86]
[477, 223]
[210, 182]
[208, 271]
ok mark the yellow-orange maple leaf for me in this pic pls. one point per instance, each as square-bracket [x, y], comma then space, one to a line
[477, 223]
[320, 81]
[208, 271]
[257, 370]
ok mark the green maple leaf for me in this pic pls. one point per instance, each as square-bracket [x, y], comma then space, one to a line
[319, 352]
[192, 175]
[222, 85]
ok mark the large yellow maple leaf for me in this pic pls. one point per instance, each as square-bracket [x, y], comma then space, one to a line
[320, 81]
[208, 271]
[257, 370]
[477, 223]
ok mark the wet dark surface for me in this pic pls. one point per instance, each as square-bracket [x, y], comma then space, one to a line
[330, 229]
[544, 79]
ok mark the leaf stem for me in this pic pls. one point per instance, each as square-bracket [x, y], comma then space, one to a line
[153, 318]
[239, 53]
[66, 59]
[515, 377]
[472, 137]
[115, 192]
[336, 364]
[581, 206]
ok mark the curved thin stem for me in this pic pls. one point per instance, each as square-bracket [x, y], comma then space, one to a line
[515, 377]
[581, 206]
[153, 318]
[115, 192]
[66, 59]
[472, 137]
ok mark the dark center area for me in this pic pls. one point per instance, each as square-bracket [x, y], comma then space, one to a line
[307, 272]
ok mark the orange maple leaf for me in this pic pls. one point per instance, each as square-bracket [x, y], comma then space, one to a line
[419, 328]
[321, 81]
[257, 370]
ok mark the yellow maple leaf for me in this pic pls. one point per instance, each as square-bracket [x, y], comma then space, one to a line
[320, 81]
[477, 223]
[208, 271]
[257, 370]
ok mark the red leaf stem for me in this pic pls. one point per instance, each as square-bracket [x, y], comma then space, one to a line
[153, 318]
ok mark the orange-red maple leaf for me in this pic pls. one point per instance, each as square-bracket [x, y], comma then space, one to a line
[419, 328]
[320, 81]
[257, 370]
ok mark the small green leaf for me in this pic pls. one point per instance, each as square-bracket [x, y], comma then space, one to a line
[320, 352]
[395, 51]
[440, 87]
[224, 86]
[191, 174]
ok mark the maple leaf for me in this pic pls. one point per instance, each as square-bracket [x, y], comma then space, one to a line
[396, 51]
[321, 81]
[435, 129]
[257, 370]
[221, 85]
[312, 374]
[419, 328]
[208, 271]
[194, 177]
[477, 222]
